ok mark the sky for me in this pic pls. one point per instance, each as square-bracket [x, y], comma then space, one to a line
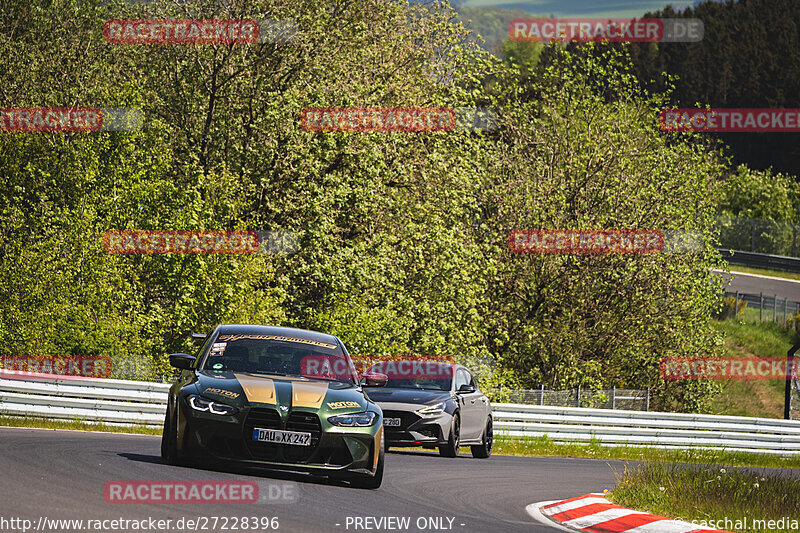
[580, 8]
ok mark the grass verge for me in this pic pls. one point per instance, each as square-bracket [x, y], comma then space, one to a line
[714, 497]
[544, 446]
[75, 423]
[754, 397]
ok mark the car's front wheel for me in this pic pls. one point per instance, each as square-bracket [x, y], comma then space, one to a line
[451, 448]
[169, 439]
[484, 450]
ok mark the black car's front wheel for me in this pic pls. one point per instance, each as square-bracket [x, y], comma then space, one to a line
[169, 439]
[451, 448]
[484, 450]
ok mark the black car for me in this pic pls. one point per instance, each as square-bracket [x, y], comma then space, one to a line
[433, 405]
[276, 397]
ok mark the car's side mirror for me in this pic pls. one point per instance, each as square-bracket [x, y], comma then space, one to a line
[466, 388]
[374, 379]
[182, 360]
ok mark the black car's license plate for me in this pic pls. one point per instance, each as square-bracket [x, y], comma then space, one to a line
[277, 436]
[391, 422]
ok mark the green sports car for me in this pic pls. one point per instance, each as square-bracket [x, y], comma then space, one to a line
[277, 397]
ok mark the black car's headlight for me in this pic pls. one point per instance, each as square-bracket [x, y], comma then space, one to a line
[353, 420]
[198, 403]
[433, 409]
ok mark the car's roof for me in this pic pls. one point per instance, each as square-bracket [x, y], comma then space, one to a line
[254, 329]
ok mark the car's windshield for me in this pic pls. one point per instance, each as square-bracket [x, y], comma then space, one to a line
[416, 374]
[279, 355]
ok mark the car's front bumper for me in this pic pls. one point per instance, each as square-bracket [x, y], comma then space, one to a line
[415, 429]
[230, 439]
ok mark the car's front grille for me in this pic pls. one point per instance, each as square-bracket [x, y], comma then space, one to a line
[307, 423]
[270, 419]
[406, 419]
[264, 419]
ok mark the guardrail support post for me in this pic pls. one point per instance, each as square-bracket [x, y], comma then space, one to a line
[790, 375]
[613, 397]
[760, 306]
[541, 394]
[647, 400]
[578, 396]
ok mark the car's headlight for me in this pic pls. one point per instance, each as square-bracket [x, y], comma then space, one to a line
[433, 409]
[198, 403]
[355, 419]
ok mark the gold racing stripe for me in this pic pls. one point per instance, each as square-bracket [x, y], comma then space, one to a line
[261, 390]
[306, 394]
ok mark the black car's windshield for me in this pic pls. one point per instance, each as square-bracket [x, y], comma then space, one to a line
[415, 374]
[279, 355]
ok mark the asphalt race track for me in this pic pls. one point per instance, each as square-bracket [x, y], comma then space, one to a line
[754, 284]
[61, 474]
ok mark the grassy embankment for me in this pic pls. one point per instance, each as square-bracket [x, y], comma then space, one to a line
[712, 496]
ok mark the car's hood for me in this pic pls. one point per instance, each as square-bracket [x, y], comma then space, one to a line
[412, 396]
[242, 388]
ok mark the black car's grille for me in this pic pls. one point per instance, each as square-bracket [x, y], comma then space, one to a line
[270, 419]
[264, 419]
[307, 423]
[406, 419]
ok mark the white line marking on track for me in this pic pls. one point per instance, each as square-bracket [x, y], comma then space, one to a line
[602, 516]
[747, 274]
[573, 505]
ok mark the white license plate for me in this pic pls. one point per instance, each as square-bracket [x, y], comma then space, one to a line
[276, 436]
[391, 422]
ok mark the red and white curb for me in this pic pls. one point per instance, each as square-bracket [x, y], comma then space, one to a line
[592, 512]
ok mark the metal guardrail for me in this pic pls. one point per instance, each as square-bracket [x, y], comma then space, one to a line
[136, 402]
[758, 260]
[95, 400]
[648, 428]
